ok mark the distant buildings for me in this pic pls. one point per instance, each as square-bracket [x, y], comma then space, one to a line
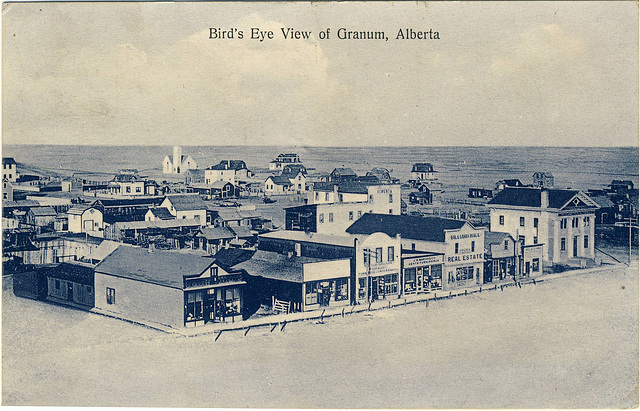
[292, 179]
[180, 163]
[509, 183]
[232, 171]
[423, 172]
[562, 220]
[9, 169]
[283, 160]
[542, 180]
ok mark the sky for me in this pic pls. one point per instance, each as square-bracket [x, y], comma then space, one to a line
[501, 74]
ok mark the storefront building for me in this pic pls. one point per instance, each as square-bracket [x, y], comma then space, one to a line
[378, 267]
[421, 272]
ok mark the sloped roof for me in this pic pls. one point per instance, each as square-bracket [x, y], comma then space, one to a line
[422, 168]
[229, 257]
[530, 197]
[129, 202]
[343, 171]
[281, 180]
[229, 165]
[410, 227]
[43, 211]
[105, 248]
[19, 203]
[162, 213]
[185, 202]
[8, 160]
[277, 266]
[79, 209]
[419, 194]
[167, 268]
[73, 271]
[141, 225]
[343, 240]
[494, 237]
[216, 233]
[220, 184]
[241, 231]
[512, 182]
[603, 201]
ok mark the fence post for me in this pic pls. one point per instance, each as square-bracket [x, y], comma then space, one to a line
[369, 309]
[534, 281]
[343, 312]
[245, 333]
[480, 289]
[274, 326]
[501, 287]
[465, 291]
[389, 304]
[218, 336]
[283, 325]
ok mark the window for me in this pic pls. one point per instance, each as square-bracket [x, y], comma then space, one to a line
[506, 244]
[340, 198]
[501, 220]
[535, 222]
[371, 198]
[535, 264]
[317, 196]
[331, 217]
[473, 246]
[456, 248]
[586, 221]
[321, 218]
[379, 255]
[311, 291]
[521, 239]
[563, 223]
[326, 196]
[193, 307]
[138, 190]
[586, 241]
[391, 255]
[563, 244]
[464, 273]
[127, 189]
[366, 256]
[350, 215]
[390, 211]
[111, 295]
[390, 197]
[197, 216]
[521, 221]
[535, 240]
[184, 217]
[359, 214]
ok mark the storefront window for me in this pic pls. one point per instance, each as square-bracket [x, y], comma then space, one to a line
[193, 307]
[362, 288]
[227, 302]
[433, 277]
[409, 280]
[535, 265]
[388, 284]
[342, 289]
[464, 273]
[311, 293]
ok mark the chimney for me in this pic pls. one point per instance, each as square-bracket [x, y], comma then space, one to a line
[544, 198]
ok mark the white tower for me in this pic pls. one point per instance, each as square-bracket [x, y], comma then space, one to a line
[177, 159]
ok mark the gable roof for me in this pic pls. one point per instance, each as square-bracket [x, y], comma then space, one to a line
[43, 211]
[8, 160]
[216, 233]
[269, 264]
[603, 201]
[162, 213]
[230, 165]
[512, 182]
[185, 202]
[229, 257]
[166, 268]
[281, 180]
[410, 227]
[531, 197]
[422, 168]
[73, 271]
[495, 237]
[343, 171]
[241, 231]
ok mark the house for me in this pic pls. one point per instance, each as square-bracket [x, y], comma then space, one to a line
[460, 243]
[382, 174]
[562, 220]
[222, 189]
[420, 197]
[41, 216]
[342, 174]
[180, 163]
[127, 184]
[9, 169]
[502, 257]
[502, 184]
[283, 160]
[86, 219]
[232, 171]
[235, 217]
[71, 283]
[606, 213]
[213, 239]
[126, 209]
[158, 213]
[422, 171]
[186, 206]
[173, 233]
[168, 288]
[542, 179]
[194, 176]
[480, 193]
[621, 186]
[278, 185]
[300, 283]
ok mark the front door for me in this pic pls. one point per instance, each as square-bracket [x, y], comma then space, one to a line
[374, 288]
[324, 293]
[575, 246]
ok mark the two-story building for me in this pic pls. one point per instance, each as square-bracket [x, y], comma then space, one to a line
[284, 159]
[461, 244]
[562, 220]
[86, 219]
[9, 169]
[186, 206]
[232, 171]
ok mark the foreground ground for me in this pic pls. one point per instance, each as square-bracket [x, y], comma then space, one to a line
[568, 342]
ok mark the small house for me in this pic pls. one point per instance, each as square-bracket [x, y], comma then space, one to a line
[41, 216]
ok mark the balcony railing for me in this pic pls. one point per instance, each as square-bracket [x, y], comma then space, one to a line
[208, 281]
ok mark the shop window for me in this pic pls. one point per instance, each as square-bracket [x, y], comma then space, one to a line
[362, 288]
[193, 307]
[432, 279]
[311, 293]
[391, 254]
[535, 265]
[586, 241]
[409, 280]
[321, 218]
[331, 217]
[464, 273]
[342, 289]
[501, 220]
[228, 302]
[111, 295]
[495, 269]
[379, 255]
[535, 223]
[388, 284]
[521, 221]
[563, 244]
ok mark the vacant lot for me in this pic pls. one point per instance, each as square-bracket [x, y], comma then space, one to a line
[569, 342]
